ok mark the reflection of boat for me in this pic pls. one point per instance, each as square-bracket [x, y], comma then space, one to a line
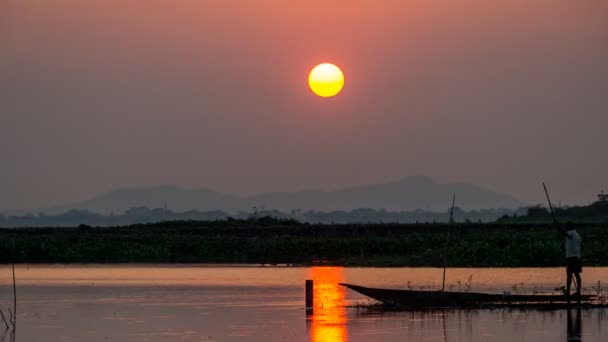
[409, 298]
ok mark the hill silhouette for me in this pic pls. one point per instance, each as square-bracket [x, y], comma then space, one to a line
[407, 194]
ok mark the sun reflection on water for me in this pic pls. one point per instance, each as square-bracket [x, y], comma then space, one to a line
[328, 322]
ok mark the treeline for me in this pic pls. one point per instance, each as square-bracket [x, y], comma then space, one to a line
[147, 215]
[271, 241]
[594, 213]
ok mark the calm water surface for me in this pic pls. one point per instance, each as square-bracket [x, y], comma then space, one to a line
[250, 303]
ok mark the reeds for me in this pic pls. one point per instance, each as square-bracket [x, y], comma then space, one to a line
[11, 322]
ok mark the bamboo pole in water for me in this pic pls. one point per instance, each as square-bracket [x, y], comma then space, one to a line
[445, 259]
[14, 299]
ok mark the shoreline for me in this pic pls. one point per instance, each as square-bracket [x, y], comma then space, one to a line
[254, 265]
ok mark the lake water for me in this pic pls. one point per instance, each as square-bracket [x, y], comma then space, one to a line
[251, 303]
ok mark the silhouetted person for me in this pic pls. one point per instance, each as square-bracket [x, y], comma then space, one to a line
[574, 265]
[575, 329]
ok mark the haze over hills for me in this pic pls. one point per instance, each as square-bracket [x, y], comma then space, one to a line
[407, 194]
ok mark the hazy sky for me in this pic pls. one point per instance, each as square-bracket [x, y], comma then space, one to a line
[100, 94]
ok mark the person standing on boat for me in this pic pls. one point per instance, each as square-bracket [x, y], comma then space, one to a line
[574, 265]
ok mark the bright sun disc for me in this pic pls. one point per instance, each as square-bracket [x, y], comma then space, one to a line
[326, 80]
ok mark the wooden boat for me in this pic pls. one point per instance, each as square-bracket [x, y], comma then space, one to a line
[430, 299]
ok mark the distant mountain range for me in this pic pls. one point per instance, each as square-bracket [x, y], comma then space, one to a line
[407, 194]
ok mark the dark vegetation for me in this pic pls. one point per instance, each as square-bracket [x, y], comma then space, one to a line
[594, 213]
[270, 240]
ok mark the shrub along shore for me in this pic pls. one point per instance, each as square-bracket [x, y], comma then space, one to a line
[272, 241]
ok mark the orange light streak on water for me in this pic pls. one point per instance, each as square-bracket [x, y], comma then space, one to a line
[328, 323]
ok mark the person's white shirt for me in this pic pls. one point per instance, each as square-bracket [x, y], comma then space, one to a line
[573, 244]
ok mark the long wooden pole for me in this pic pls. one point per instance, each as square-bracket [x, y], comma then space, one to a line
[549, 201]
[445, 259]
[556, 223]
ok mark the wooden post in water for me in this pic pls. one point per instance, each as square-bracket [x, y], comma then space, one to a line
[309, 297]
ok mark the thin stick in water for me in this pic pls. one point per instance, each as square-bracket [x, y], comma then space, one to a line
[14, 297]
[445, 259]
[10, 317]
[4, 319]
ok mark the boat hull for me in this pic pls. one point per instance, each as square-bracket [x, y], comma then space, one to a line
[409, 298]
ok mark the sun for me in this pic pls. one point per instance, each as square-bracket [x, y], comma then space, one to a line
[326, 80]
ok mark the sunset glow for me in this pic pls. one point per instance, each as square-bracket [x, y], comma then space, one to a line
[304, 171]
[326, 80]
[329, 319]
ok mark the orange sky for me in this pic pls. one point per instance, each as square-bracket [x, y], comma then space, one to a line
[188, 92]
